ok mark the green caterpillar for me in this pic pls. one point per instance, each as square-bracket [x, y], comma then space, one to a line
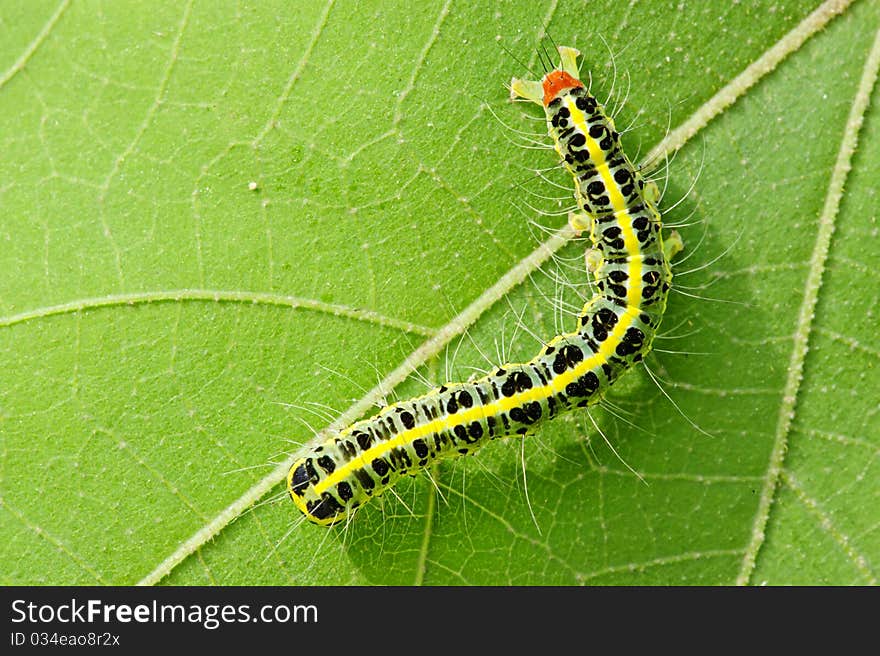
[630, 263]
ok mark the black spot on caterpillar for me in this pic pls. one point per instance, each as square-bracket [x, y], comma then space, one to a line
[614, 331]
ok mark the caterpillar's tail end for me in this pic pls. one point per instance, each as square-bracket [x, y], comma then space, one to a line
[322, 509]
[527, 90]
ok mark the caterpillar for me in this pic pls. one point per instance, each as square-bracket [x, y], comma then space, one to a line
[630, 263]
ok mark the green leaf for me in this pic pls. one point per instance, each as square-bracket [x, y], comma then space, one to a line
[224, 225]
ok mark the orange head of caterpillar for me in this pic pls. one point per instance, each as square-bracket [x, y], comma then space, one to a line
[319, 507]
[553, 83]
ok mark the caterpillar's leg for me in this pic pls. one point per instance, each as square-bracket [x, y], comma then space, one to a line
[652, 192]
[672, 245]
[580, 222]
[583, 222]
[594, 258]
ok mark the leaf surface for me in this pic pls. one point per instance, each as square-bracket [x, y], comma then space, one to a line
[223, 225]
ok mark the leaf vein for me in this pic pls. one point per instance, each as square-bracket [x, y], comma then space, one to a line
[55, 542]
[216, 296]
[34, 45]
[826, 523]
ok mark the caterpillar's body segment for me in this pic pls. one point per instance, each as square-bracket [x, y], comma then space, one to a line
[614, 331]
